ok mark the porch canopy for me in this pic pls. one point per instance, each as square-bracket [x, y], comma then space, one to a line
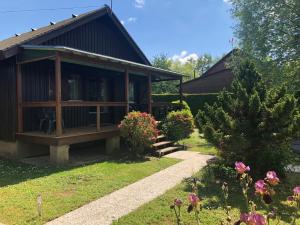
[32, 53]
[60, 54]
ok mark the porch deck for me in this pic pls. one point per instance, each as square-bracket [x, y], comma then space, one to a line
[69, 136]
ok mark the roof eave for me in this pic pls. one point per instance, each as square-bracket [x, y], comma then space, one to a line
[104, 57]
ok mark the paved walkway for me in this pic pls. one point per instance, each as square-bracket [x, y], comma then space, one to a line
[119, 203]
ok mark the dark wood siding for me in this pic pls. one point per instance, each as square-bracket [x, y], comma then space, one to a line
[7, 100]
[212, 83]
[99, 36]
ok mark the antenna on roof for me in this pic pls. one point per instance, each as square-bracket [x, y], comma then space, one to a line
[52, 23]
[17, 35]
[74, 15]
[33, 29]
[111, 6]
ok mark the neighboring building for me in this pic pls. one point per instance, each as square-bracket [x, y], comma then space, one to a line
[213, 80]
[71, 82]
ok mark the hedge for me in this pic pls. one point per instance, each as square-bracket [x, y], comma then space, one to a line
[195, 101]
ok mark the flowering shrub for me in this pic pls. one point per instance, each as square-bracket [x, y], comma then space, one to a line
[194, 206]
[139, 131]
[264, 190]
[178, 125]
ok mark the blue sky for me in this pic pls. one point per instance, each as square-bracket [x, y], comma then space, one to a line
[179, 28]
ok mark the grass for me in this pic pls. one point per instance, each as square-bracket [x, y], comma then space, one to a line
[64, 189]
[198, 144]
[158, 212]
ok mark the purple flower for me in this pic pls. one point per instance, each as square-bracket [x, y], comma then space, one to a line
[253, 218]
[178, 202]
[272, 178]
[261, 187]
[241, 167]
[296, 190]
[193, 199]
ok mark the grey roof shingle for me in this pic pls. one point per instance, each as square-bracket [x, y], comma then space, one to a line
[26, 37]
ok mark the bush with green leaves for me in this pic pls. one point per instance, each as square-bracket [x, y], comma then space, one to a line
[178, 125]
[252, 124]
[139, 131]
[182, 105]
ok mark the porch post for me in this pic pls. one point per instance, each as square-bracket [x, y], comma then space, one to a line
[180, 90]
[126, 91]
[19, 99]
[98, 118]
[58, 109]
[149, 94]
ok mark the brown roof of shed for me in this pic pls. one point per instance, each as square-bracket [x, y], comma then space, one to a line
[9, 47]
[209, 71]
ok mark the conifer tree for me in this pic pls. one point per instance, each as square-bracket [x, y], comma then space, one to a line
[252, 124]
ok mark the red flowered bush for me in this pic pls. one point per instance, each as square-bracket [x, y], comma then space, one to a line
[139, 131]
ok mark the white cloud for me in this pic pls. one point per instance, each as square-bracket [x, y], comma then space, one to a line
[139, 3]
[184, 57]
[131, 19]
[227, 1]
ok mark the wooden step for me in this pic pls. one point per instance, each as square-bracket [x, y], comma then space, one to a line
[160, 137]
[161, 143]
[164, 151]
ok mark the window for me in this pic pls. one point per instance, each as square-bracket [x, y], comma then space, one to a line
[74, 87]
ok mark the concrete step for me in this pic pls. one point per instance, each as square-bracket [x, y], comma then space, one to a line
[167, 150]
[161, 144]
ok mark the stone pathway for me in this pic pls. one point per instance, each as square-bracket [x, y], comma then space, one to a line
[293, 168]
[119, 203]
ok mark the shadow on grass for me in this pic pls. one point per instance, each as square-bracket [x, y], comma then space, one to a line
[14, 172]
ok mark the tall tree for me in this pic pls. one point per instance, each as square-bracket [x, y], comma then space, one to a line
[251, 123]
[269, 31]
[191, 67]
[162, 61]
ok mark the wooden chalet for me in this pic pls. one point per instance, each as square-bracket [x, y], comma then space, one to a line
[71, 82]
[216, 78]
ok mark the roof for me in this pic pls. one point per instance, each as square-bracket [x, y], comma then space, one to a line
[209, 71]
[10, 47]
[169, 75]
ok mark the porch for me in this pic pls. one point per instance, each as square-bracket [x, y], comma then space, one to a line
[66, 96]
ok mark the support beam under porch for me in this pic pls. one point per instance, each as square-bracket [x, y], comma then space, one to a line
[59, 155]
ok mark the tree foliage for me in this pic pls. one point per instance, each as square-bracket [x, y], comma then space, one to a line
[192, 68]
[250, 124]
[178, 125]
[269, 31]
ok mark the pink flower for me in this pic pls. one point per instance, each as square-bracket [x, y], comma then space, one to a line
[193, 199]
[241, 167]
[178, 202]
[296, 190]
[261, 187]
[272, 178]
[253, 218]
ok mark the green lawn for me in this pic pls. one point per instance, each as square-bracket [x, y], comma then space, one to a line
[198, 144]
[64, 189]
[158, 212]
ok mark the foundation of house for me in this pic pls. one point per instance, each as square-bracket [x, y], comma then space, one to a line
[8, 149]
[59, 155]
[25, 149]
[112, 145]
